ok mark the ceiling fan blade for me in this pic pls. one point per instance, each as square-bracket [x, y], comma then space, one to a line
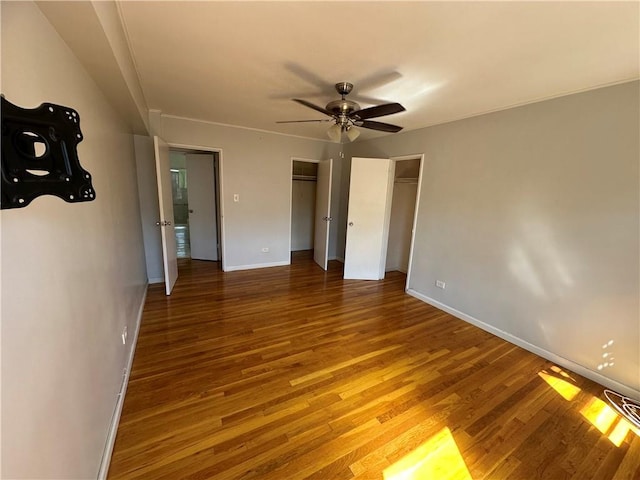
[378, 111]
[383, 127]
[314, 107]
[304, 121]
[377, 80]
[307, 94]
[364, 99]
[310, 77]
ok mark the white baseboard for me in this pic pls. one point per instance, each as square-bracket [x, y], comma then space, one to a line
[115, 420]
[396, 269]
[563, 362]
[340, 259]
[156, 280]
[233, 268]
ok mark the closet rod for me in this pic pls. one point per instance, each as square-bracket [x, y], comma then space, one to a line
[406, 180]
[305, 178]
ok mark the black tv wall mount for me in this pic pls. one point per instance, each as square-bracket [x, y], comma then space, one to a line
[39, 155]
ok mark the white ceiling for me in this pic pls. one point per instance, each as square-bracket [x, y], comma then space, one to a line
[240, 63]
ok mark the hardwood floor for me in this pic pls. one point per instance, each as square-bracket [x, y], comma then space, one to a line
[290, 372]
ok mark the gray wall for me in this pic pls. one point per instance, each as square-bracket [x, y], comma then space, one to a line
[403, 207]
[531, 217]
[149, 209]
[73, 275]
[303, 208]
[256, 165]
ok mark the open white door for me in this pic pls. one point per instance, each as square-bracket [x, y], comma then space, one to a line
[202, 207]
[368, 218]
[323, 213]
[165, 200]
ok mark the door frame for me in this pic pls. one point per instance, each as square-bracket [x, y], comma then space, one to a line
[297, 159]
[417, 156]
[220, 193]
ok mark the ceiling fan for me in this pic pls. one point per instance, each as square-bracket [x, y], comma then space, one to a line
[346, 114]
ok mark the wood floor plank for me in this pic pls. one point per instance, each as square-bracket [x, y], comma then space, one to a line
[292, 372]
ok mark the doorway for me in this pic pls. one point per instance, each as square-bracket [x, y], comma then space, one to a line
[310, 209]
[373, 245]
[403, 207]
[303, 205]
[179, 192]
[196, 193]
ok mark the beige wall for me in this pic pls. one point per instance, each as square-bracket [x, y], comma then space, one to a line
[73, 275]
[256, 165]
[531, 217]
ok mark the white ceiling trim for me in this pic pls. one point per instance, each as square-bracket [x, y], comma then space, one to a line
[241, 127]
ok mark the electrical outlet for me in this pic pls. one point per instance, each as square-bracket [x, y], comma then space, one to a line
[124, 335]
[440, 284]
[265, 249]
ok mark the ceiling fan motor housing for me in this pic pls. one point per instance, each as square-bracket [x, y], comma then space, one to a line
[342, 107]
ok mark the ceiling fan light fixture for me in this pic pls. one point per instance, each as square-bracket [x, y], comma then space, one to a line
[334, 132]
[353, 133]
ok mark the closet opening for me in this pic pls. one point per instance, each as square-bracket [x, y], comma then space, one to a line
[403, 209]
[304, 178]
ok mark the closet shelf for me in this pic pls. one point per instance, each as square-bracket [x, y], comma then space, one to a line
[406, 180]
[305, 178]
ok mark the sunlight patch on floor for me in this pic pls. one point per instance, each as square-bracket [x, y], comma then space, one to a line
[567, 390]
[597, 412]
[559, 371]
[438, 457]
[619, 433]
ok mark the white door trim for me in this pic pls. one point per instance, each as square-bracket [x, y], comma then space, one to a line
[220, 199]
[418, 156]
